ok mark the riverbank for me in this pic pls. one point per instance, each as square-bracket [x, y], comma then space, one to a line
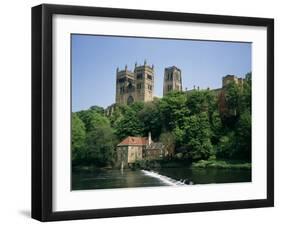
[222, 164]
[157, 164]
[174, 163]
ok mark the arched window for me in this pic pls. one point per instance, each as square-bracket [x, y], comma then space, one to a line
[130, 100]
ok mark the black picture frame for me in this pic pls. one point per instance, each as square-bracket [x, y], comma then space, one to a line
[42, 111]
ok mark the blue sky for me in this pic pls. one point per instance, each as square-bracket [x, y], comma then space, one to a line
[203, 64]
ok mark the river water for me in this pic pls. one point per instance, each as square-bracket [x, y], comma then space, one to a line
[104, 179]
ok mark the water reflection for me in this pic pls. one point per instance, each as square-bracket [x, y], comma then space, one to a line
[103, 179]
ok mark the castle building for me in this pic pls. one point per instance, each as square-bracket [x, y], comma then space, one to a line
[137, 85]
[231, 78]
[172, 80]
[223, 108]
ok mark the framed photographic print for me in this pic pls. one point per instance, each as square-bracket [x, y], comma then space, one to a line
[145, 112]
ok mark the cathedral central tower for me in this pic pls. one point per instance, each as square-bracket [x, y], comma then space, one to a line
[135, 86]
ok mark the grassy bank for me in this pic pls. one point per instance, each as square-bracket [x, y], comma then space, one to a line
[222, 164]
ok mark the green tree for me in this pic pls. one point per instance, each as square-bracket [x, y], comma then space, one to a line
[78, 135]
[92, 119]
[151, 119]
[232, 98]
[98, 109]
[100, 145]
[115, 116]
[244, 136]
[174, 110]
[246, 99]
[217, 127]
[99, 140]
[179, 134]
[129, 124]
[226, 146]
[235, 140]
[197, 102]
[198, 136]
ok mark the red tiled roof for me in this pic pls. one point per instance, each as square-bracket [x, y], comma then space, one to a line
[134, 141]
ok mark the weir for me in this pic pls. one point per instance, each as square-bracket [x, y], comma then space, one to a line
[166, 180]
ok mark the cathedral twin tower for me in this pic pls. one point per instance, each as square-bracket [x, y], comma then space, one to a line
[138, 85]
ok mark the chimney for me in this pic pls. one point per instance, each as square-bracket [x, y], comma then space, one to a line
[149, 138]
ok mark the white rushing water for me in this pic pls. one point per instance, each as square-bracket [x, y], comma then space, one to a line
[164, 179]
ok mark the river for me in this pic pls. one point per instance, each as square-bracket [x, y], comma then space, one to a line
[103, 179]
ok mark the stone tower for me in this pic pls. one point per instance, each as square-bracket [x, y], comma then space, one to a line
[135, 86]
[144, 77]
[172, 80]
[125, 86]
[232, 78]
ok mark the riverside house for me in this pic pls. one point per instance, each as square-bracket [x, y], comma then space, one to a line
[132, 149]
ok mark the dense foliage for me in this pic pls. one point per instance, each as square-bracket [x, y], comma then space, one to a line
[196, 125]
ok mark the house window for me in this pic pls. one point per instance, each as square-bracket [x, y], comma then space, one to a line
[139, 86]
[149, 77]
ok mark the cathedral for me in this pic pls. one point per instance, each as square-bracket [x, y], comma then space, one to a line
[138, 85]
